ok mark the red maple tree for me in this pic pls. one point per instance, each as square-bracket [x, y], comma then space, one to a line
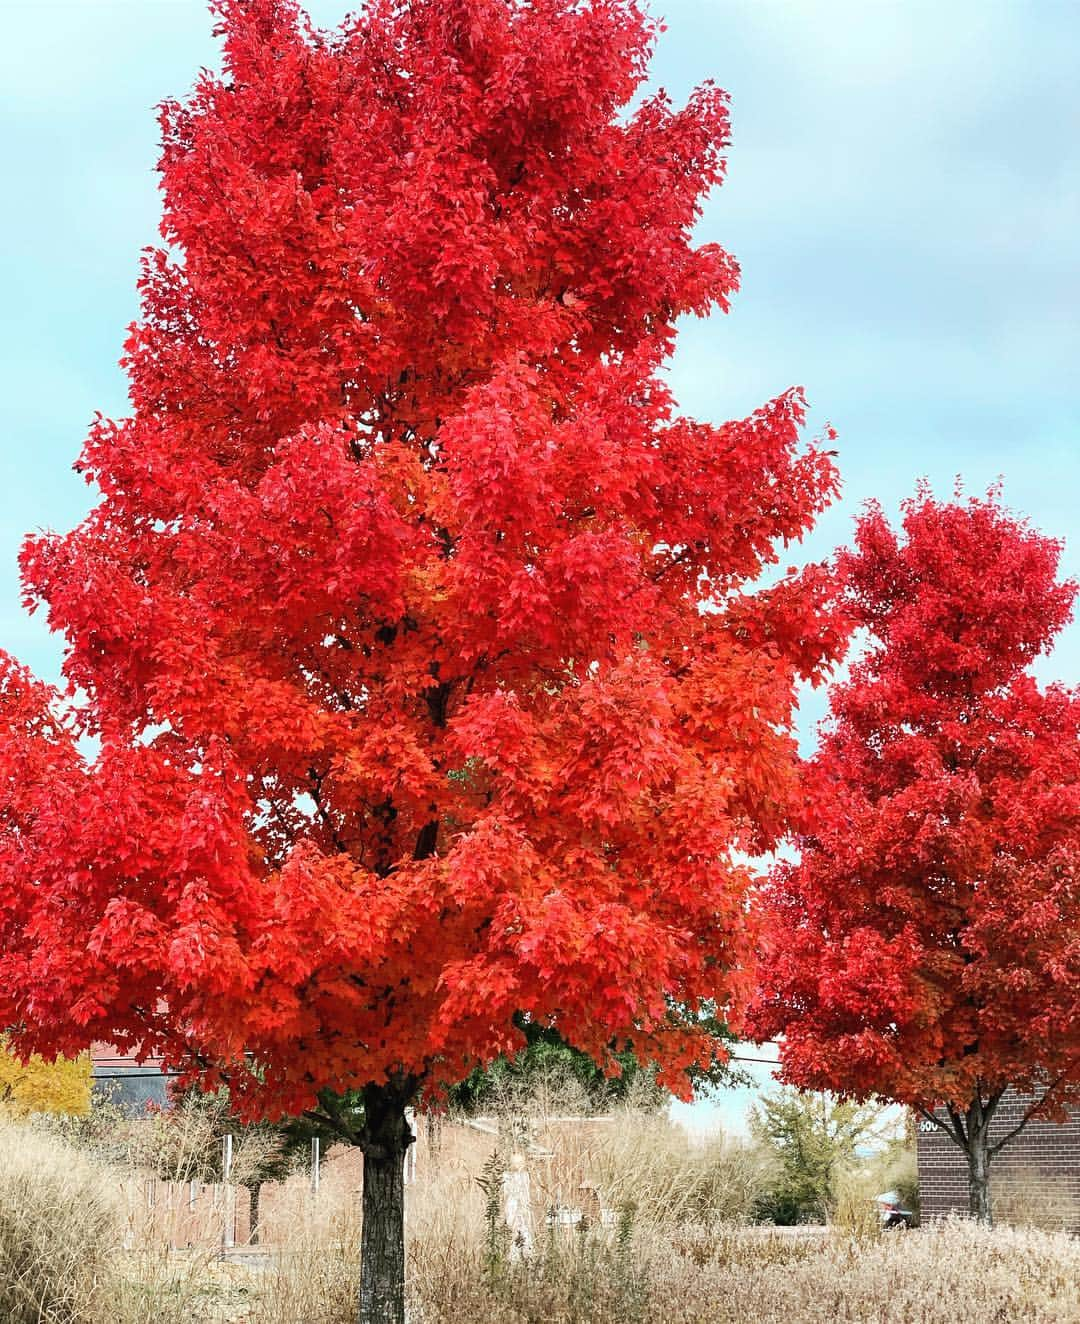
[411, 622]
[926, 946]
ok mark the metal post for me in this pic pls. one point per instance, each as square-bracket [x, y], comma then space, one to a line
[228, 1229]
[409, 1175]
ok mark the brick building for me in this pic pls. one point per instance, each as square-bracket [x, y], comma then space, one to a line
[131, 1085]
[1035, 1178]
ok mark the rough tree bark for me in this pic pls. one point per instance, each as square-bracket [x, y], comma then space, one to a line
[978, 1157]
[975, 1134]
[384, 1139]
[254, 1192]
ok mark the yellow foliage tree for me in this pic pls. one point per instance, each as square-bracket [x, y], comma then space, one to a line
[40, 1086]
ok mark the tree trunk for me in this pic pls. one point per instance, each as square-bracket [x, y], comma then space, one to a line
[254, 1192]
[384, 1139]
[978, 1157]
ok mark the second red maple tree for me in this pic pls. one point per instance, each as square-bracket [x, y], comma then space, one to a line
[926, 946]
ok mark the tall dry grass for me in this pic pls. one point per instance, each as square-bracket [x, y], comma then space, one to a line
[942, 1275]
[632, 1155]
[673, 1180]
[59, 1228]
[681, 1252]
[678, 1250]
[69, 1251]
[314, 1273]
[854, 1212]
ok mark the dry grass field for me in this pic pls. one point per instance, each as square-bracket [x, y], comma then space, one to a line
[677, 1249]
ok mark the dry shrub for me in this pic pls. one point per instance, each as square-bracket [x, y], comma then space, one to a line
[854, 1212]
[184, 1142]
[315, 1274]
[59, 1224]
[933, 1276]
[675, 1180]
[549, 1091]
[179, 1144]
[102, 1132]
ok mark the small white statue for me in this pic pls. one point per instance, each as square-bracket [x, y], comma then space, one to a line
[517, 1207]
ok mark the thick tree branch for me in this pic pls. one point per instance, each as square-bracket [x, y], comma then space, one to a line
[1030, 1112]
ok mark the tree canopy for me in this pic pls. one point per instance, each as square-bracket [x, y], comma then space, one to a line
[816, 1139]
[414, 625]
[40, 1086]
[388, 616]
[926, 945]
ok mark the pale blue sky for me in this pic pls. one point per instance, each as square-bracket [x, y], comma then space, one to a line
[903, 196]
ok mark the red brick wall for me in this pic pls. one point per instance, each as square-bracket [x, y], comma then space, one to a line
[1035, 1178]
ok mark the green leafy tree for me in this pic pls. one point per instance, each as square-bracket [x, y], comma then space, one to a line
[547, 1057]
[815, 1139]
